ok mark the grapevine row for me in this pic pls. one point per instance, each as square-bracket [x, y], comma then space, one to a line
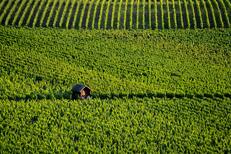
[2, 3]
[138, 14]
[193, 13]
[174, 14]
[131, 14]
[162, 14]
[149, 15]
[51, 12]
[57, 13]
[200, 14]
[156, 19]
[69, 14]
[5, 10]
[11, 14]
[206, 14]
[169, 19]
[94, 14]
[101, 14]
[76, 13]
[225, 12]
[124, 14]
[213, 14]
[44, 14]
[143, 23]
[219, 13]
[64, 12]
[24, 13]
[119, 14]
[181, 14]
[187, 13]
[37, 13]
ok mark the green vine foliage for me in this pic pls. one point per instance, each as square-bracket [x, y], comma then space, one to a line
[153, 91]
[175, 63]
[82, 14]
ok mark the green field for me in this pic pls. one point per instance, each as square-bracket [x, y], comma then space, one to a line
[153, 91]
[159, 71]
[117, 14]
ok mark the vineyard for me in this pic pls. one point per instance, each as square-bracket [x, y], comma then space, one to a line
[116, 14]
[159, 71]
[153, 91]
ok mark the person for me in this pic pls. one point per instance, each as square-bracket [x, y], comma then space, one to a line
[79, 91]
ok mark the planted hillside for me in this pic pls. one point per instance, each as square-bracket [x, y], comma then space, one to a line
[45, 63]
[118, 125]
[117, 14]
[152, 91]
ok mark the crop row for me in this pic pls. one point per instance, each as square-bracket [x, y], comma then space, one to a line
[118, 62]
[120, 126]
[117, 14]
[66, 94]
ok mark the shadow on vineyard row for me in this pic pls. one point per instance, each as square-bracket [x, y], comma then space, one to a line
[67, 95]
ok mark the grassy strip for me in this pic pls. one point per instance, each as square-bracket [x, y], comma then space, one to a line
[149, 14]
[156, 19]
[206, 14]
[194, 15]
[174, 12]
[213, 14]
[143, 21]
[9, 15]
[119, 14]
[101, 15]
[2, 3]
[65, 10]
[31, 13]
[187, 13]
[181, 14]
[37, 13]
[169, 19]
[200, 14]
[94, 14]
[113, 13]
[131, 14]
[5, 10]
[53, 8]
[138, 14]
[69, 14]
[162, 14]
[228, 6]
[76, 14]
[219, 11]
[225, 12]
[125, 14]
[24, 13]
[19, 9]
[82, 14]
[106, 23]
[60, 4]
[229, 3]
[88, 14]
[107, 12]
[41, 21]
